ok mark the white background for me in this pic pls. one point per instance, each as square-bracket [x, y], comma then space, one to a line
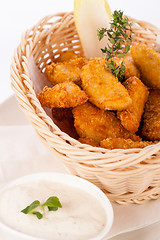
[18, 15]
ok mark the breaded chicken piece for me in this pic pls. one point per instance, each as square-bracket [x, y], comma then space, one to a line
[97, 124]
[130, 68]
[103, 89]
[62, 113]
[148, 62]
[66, 56]
[151, 117]
[121, 143]
[131, 116]
[89, 142]
[65, 71]
[62, 95]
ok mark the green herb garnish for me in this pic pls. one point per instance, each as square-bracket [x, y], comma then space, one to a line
[31, 207]
[38, 215]
[52, 203]
[120, 38]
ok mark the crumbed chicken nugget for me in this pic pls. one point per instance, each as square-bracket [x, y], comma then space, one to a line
[89, 142]
[65, 71]
[121, 143]
[148, 62]
[66, 56]
[103, 89]
[97, 124]
[131, 116]
[151, 117]
[62, 95]
[130, 68]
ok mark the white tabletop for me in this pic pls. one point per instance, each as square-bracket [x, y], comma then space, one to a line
[17, 16]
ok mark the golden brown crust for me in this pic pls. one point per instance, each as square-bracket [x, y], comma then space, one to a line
[89, 142]
[103, 89]
[131, 117]
[148, 62]
[50, 71]
[66, 56]
[96, 124]
[65, 71]
[151, 117]
[130, 68]
[121, 143]
[62, 95]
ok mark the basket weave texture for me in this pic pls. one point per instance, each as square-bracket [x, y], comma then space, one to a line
[126, 176]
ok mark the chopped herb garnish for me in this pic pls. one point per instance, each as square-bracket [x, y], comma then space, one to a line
[120, 38]
[52, 203]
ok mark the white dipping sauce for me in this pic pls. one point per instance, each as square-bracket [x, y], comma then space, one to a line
[80, 218]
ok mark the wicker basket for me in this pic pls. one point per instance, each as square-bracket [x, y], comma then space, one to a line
[126, 176]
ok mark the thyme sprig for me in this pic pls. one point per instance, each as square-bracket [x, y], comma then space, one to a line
[120, 38]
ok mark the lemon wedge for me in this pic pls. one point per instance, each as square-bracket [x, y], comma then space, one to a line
[90, 15]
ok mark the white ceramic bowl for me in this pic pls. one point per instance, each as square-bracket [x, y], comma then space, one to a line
[6, 233]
